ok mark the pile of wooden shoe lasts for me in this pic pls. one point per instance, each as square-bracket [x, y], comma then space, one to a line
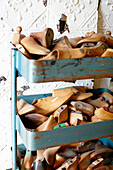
[92, 155]
[71, 106]
[43, 46]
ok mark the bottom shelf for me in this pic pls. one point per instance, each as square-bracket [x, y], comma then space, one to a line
[39, 140]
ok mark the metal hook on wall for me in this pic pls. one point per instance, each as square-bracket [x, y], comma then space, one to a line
[63, 24]
[45, 2]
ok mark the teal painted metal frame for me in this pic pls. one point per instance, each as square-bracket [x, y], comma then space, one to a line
[40, 140]
[34, 71]
[13, 106]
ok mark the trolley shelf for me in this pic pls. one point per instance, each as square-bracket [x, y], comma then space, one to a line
[35, 71]
[44, 139]
[40, 140]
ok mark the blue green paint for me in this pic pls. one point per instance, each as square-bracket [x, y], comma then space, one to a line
[65, 69]
[39, 140]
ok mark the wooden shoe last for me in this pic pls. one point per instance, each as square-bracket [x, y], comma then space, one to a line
[111, 108]
[64, 91]
[96, 50]
[99, 102]
[23, 107]
[96, 39]
[59, 160]
[50, 123]
[72, 53]
[101, 151]
[61, 114]
[23, 51]
[33, 47]
[95, 119]
[62, 43]
[103, 114]
[50, 104]
[51, 56]
[33, 120]
[97, 163]
[109, 40]
[47, 125]
[88, 146]
[108, 53]
[70, 164]
[85, 161]
[108, 97]
[45, 37]
[74, 116]
[73, 41]
[40, 155]
[27, 161]
[83, 107]
[17, 37]
[81, 96]
[49, 154]
[39, 165]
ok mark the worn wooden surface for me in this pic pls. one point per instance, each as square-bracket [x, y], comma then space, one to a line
[65, 69]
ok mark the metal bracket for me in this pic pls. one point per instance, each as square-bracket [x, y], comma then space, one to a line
[63, 24]
[98, 4]
[45, 2]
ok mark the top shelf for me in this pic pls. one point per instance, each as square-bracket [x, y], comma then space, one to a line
[35, 71]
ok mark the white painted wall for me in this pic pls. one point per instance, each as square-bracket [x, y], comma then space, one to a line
[105, 22]
[32, 15]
